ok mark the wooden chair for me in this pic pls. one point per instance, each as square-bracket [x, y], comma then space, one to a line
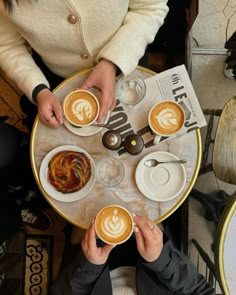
[224, 167]
[219, 210]
[224, 162]
[224, 151]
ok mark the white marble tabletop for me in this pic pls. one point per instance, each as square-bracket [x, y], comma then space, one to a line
[81, 212]
[225, 254]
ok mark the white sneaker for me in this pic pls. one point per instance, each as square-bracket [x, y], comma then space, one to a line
[37, 219]
[228, 72]
[28, 217]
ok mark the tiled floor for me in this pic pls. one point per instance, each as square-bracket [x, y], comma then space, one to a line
[215, 23]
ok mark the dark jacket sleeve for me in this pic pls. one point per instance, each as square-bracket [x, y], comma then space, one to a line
[78, 278]
[178, 273]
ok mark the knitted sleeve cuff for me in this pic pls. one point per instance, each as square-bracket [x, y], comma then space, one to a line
[36, 90]
[118, 72]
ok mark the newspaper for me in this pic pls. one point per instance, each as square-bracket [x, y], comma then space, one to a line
[173, 84]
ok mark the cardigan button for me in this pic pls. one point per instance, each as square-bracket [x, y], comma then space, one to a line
[72, 19]
[84, 56]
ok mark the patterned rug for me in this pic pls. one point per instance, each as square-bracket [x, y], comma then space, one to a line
[26, 264]
[38, 264]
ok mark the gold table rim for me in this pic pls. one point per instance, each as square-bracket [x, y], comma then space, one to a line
[36, 176]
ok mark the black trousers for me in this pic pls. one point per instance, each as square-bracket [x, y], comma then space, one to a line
[9, 213]
[16, 180]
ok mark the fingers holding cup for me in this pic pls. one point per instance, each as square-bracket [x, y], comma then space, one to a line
[92, 253]
[149, 238]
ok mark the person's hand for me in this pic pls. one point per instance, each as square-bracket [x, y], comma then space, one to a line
[103, 77]
[94, 254]
[49, 108]
[149, 238]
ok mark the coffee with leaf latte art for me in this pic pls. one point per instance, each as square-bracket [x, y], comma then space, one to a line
[81, 108]
[166, 118]
[113, 224]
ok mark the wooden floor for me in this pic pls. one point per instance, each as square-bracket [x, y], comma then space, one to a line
[10, 102]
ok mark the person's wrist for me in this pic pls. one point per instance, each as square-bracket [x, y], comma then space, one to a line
[93, 261]
[37, 90]
[117, 70]
[162, 260]
[87, 265]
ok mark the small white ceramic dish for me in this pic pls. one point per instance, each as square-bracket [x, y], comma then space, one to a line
[163, 182]
[86, 131]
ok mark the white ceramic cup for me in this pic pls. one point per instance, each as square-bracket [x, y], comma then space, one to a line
[114, 224]
[81, 108]
[166, 118]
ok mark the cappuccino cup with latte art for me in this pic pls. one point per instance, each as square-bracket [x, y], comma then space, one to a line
[113, 225]
[81, 108]
[166, 118]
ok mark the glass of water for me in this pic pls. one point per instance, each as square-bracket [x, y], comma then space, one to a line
[130, 90]
[110, 171]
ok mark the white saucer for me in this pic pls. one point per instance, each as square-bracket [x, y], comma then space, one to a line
[86, 131]
[50, 189]
[163, 182]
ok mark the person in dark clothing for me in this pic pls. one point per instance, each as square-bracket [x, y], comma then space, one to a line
[20, 203]
[160, 268]
[19, 196]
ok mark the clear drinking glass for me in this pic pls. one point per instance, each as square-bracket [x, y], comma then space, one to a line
[110, 171]
[130, 90]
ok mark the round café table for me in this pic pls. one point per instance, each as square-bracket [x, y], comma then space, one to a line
[127, 194]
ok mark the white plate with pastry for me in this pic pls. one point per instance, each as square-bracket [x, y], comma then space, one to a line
[67, 173]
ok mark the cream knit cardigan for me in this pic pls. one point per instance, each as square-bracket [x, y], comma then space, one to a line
[104, 29]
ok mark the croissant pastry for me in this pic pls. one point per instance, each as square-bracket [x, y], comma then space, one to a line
[69, 171]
